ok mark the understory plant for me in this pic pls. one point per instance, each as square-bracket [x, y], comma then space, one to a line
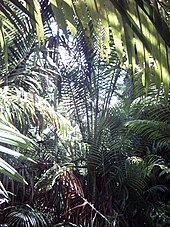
[101, 139]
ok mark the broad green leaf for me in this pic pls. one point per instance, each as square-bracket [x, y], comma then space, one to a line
[93, 12]
[103, 15]
[5, 193]
[144, 23]
[39, 23]
[14, 153]
[9, 171]
[165, 67]
[13, 131]
[69, 15]
[159, 50]
[83, 17]
[8, 141]
[128, 38]
[116, 23]
[34, 9]
[14, 139]
[134, 13]
[3, 44]
[59, 15]
[145, 76]
[2, 38]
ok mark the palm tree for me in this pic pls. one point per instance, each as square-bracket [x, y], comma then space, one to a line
[101, 142]
[141, 136]
[145, 48]
[110, 152]
[19, 87]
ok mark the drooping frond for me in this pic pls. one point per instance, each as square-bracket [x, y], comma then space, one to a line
[88, 83]
[17, 35]
[129, 22]
[154, 130]
[26, 215]
[10, 136]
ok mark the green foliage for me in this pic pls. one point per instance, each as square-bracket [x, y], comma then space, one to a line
[14, 45]
[98, 164]
[11, 136]
[161, 214]
[25, 216]
[128, 21]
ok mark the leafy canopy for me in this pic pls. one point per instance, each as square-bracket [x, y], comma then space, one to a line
[140, 29]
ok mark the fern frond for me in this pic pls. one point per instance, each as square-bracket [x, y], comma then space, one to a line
[158, 188]
[154, 130]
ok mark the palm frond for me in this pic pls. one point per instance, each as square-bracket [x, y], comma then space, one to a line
[15, 46]
[21, 106]
[25, 215]
[11, 136]
[154, 130]
[134, 17]
[158, 188]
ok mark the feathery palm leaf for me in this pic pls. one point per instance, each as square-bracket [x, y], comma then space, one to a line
[14, 45]
[129, 22]
[131, 18]
[25, 216]
[11, 136]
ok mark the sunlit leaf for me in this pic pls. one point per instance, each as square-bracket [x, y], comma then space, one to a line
[8, 170]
